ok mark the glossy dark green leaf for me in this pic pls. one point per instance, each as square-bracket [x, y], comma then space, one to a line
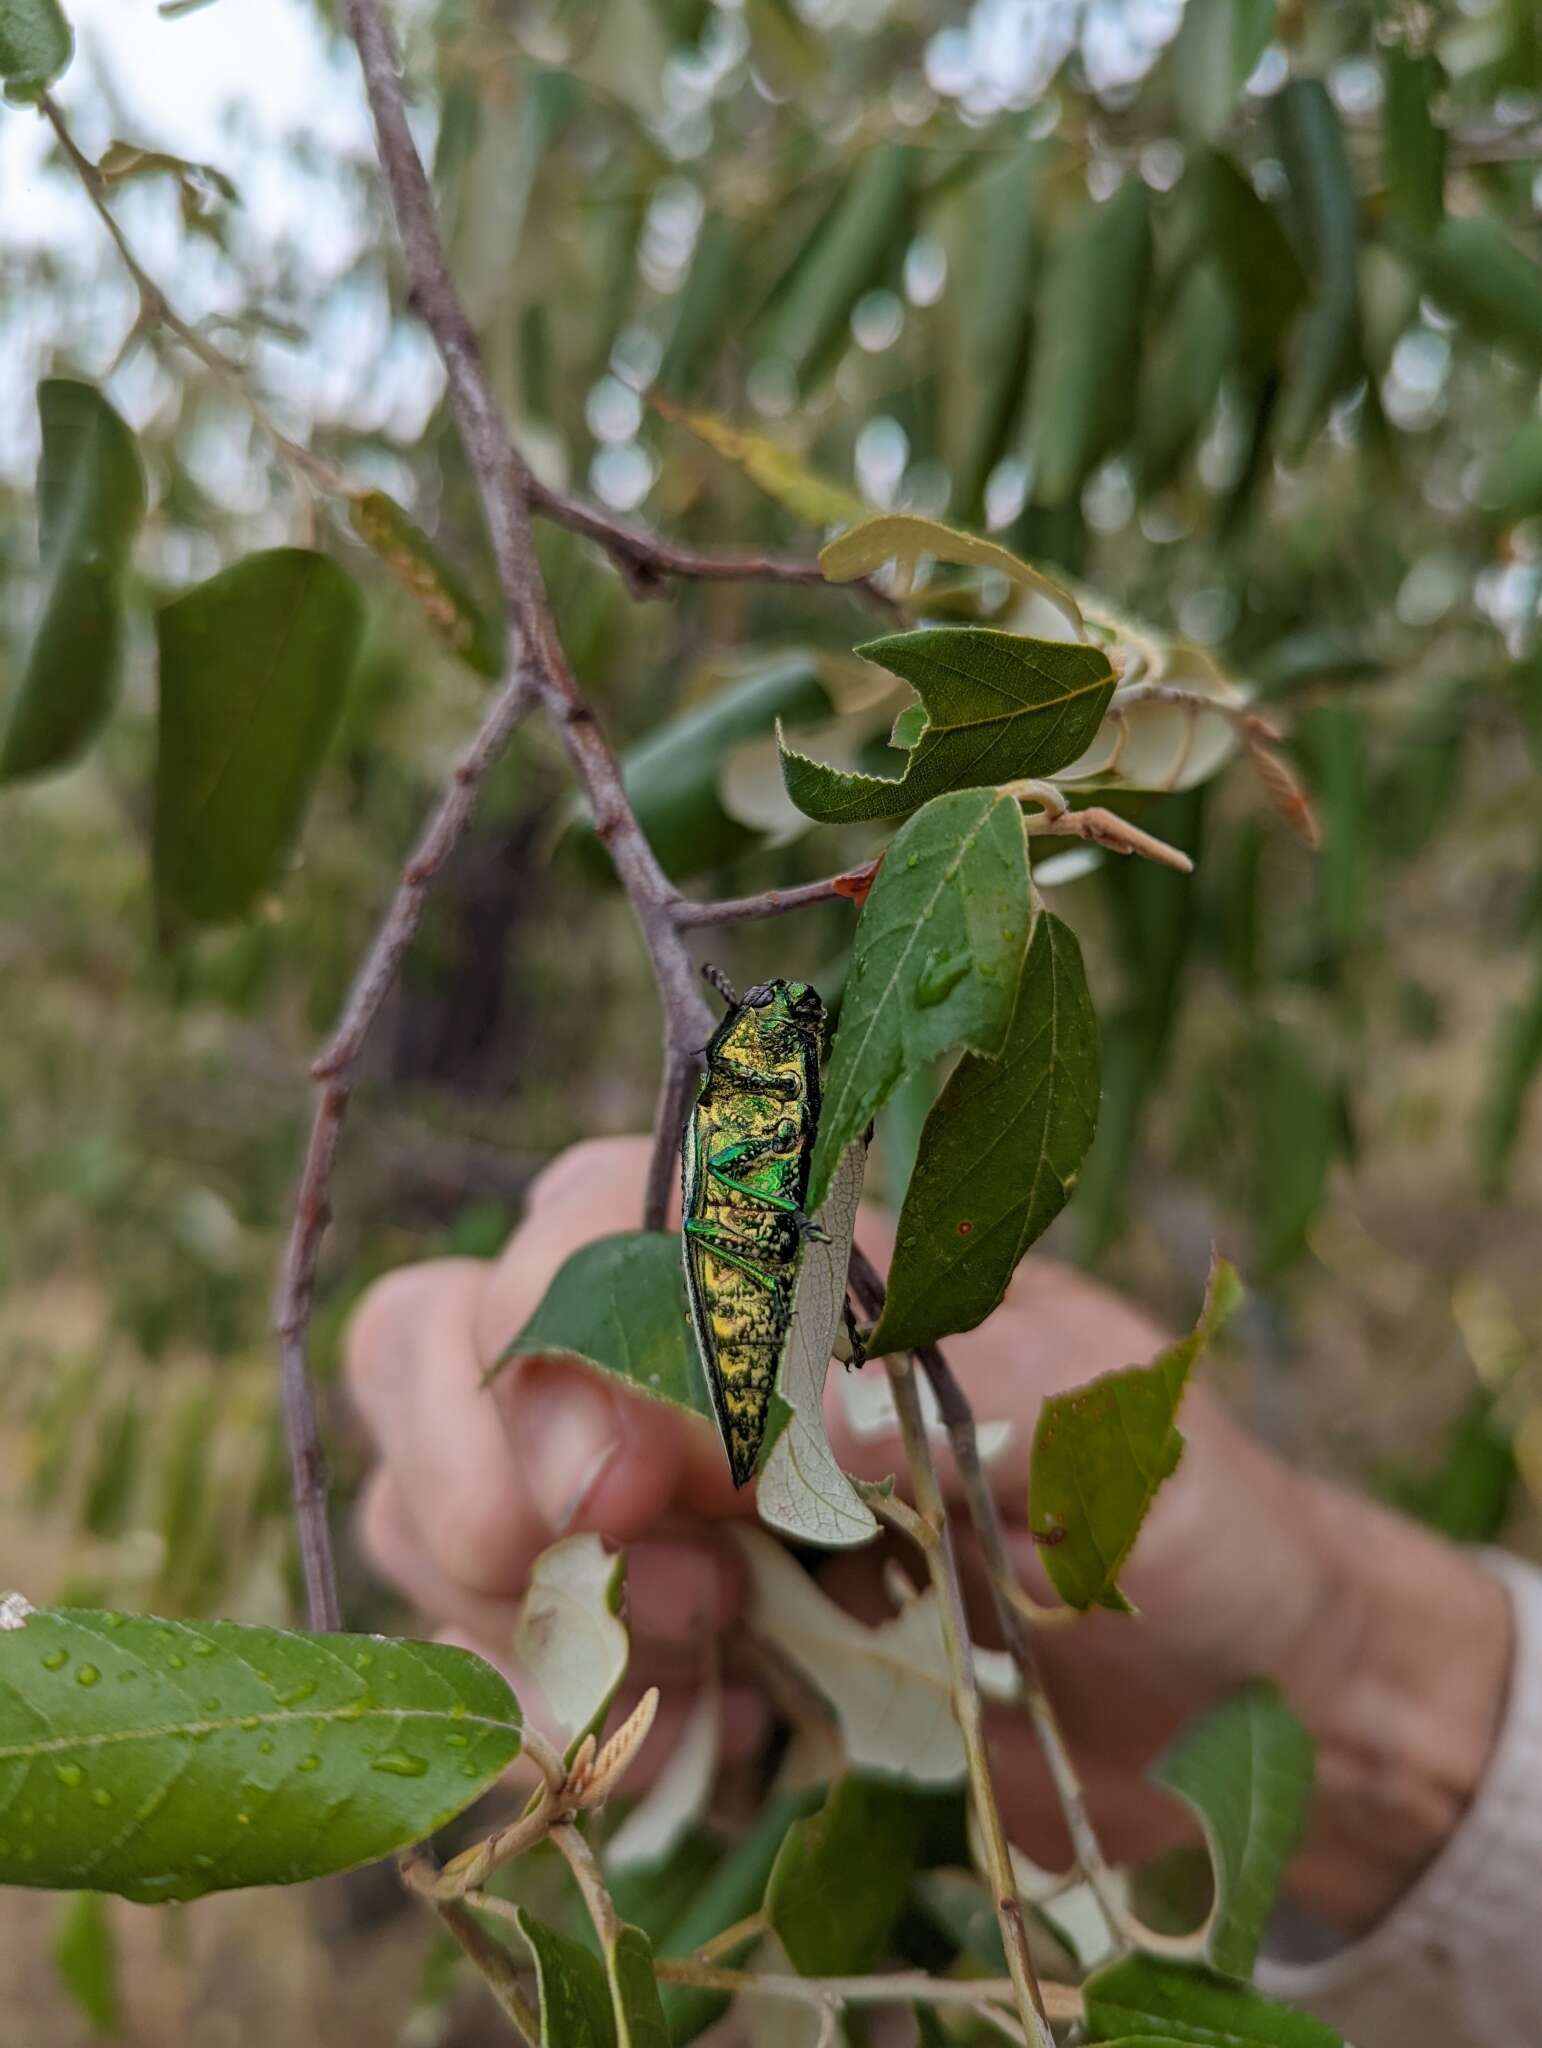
[999, 706]
[254, 667]
[576, 2009]
[999, 1154]
[1477, 274]
[619, 1304]
[166, 1759]
[634, 1990]
[842, 1876]
[1246, 1770]
[1326, 356]
[86, 1957]
[36, 43]
[935, 961]
[1413, 146]
[91, 498]
[1081, 402]
[1217, 46]
[1102, 1451]
[859, 243]
[1145, 1998]
[1515, 1064]
[438, 586]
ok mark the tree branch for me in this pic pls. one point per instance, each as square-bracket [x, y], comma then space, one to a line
[504, 487]
[648, 564]
[852, 886]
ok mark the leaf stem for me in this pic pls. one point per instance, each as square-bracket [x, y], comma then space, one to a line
[967, 1709]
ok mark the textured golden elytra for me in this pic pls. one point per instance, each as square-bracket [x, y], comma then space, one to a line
[747, 1147]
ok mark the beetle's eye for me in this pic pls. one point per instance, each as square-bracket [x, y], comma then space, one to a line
[756, 998]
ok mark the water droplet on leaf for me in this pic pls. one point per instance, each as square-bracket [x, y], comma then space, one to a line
[87, 1675]
[940, 974]
[70, 1775]
[401, 1763]
[55, 1660]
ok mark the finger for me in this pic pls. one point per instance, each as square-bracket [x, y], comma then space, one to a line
[493, 1476]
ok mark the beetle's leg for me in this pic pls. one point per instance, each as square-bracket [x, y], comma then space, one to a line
[722, 1244]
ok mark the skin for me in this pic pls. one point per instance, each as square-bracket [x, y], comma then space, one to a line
[1392, 1645]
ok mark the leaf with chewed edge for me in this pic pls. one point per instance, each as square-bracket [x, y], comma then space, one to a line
[1102, 1451]
[802, 1491]
[1245, 1769]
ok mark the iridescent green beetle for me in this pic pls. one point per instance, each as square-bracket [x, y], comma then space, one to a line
[748, 1143]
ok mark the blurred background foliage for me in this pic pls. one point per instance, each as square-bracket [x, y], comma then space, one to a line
[1233, 311]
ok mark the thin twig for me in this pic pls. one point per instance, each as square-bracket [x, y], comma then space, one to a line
[896, 1987]
[1107, 829]
[491, 1960]
[850, 887]
[504, 486]
[583, 1863]
[333, 1070]
[959, 1423]
[648, 564]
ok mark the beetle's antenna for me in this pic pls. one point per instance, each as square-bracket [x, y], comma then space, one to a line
[716, 978]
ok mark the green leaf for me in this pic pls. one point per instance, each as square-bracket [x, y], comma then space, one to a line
[1296, 1132]
[619, 1304]
[1100, 1453]
[1217, 46]
[1473, 269]
[734, 1889]
[842, 1877]
[167, 1759]
[91, 498]
[567, 1634]
[935, 961]
[254, 667]
[860, 242]
[674, 775]
[1230, 225]
[86, 1957]
[1146, 1999]
[706, 304]
[801, 1490]
[1246, 1770]
[1327, 356]
[997, 261]
[439, 588]
[576, 2009]
[1000, 706]
[36, 42]
[1184, 371]
[1000, 1153]
[1081, 402]
[1515, 1064]
[634, 1990]
[1413, 147]
[1467, 1496]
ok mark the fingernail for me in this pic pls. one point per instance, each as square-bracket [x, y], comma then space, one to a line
[568, 1430]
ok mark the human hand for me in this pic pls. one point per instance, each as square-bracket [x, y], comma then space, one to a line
[1391, 1645]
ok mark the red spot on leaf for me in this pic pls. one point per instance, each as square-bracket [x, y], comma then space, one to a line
[965, 1227]
[1048, 1539]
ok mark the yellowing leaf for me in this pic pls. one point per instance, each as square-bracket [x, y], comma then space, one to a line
[775, 469]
